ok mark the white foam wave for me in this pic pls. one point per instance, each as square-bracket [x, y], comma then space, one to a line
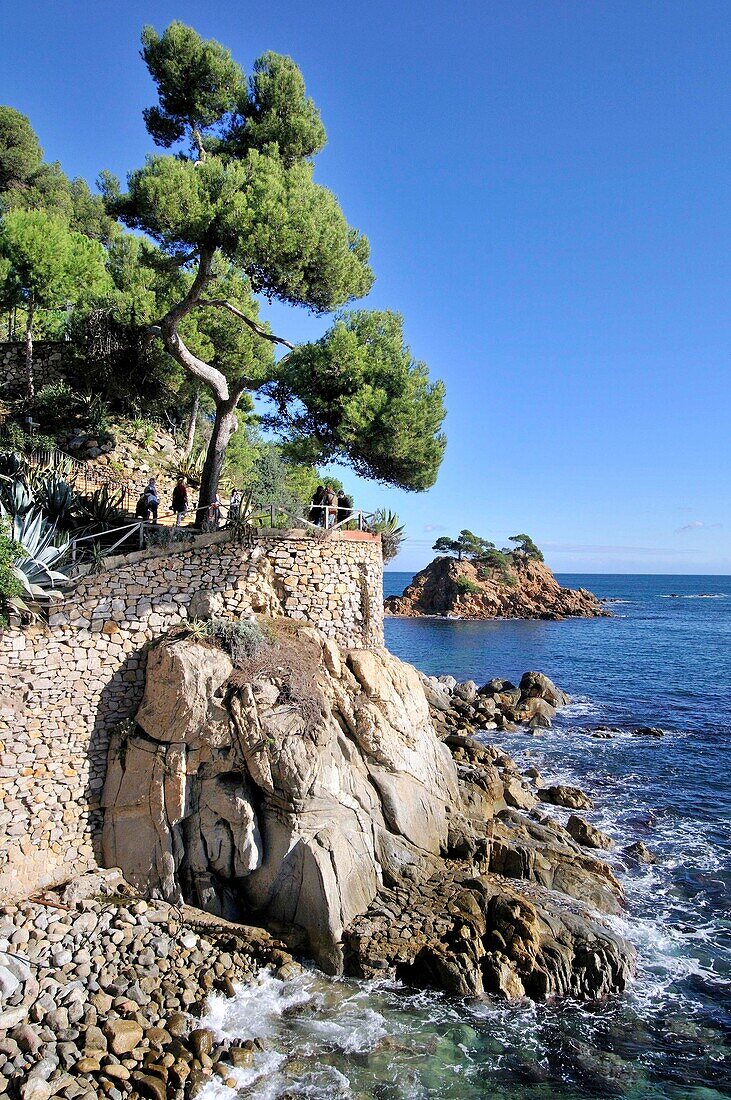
[695, 596]
[266, 1063]
[256, 1008]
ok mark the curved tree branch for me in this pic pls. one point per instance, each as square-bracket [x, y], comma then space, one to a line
[174, 344]
[221, 303]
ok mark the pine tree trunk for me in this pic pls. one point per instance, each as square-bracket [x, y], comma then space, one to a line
[192, 423]
[29, 350]
[223, 428]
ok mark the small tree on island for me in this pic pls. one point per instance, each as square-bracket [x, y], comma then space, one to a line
[485, 554]
[525, 548]
[236, 202]
[466, 545]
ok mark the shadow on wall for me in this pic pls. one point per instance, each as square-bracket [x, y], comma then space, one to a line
[127, 682]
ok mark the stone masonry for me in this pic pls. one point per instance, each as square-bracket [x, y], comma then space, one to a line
[51, 361]
[64, 687]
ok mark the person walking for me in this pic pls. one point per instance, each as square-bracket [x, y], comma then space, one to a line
[152, 500]
[213, 514]
[234, 506]
[180, 501]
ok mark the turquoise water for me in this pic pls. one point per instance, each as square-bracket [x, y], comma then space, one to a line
[664, 660]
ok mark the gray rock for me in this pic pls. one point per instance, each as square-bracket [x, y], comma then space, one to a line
[466, 691]
[560, 795]
[587, 835]
[639, 853]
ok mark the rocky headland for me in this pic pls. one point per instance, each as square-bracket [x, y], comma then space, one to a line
[527, 590]
[293, 797]
[308, 790]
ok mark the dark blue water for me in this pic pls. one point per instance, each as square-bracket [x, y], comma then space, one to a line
[660, 661]
[664, 660]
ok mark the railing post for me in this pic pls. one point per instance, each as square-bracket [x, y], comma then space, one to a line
[141, 535]
[360, 519]
[271, 515]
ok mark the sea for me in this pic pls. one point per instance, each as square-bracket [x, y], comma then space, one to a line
[663, 660]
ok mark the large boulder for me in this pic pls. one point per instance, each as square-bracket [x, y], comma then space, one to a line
[534, 685]
[184, 689]
[241, 799]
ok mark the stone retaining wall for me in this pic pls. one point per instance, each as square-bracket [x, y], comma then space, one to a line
[51, 362]
[65, 686]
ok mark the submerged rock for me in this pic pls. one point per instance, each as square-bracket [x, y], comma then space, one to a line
[639, 853]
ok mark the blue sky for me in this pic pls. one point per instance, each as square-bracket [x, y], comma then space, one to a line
[545, 188]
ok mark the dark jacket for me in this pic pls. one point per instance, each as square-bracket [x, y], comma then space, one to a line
[180, 498]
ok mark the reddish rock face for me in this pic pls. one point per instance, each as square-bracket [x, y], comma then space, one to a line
[533, 594]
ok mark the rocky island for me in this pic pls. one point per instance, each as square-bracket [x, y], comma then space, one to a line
[482, 582]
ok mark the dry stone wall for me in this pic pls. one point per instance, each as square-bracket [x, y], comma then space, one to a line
[51, 362]
[66, 686]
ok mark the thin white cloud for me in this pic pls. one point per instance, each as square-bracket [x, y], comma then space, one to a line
[581, 548]
[432, 528]
[696, 525]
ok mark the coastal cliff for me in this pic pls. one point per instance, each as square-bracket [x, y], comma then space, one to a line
[310, 792]
[527, 590]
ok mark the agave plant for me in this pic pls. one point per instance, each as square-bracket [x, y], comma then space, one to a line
[189, 467]
[16, 499]
[49, 463]
[102, 509]
[36, 568]
[57, 499]
[12, 464]
[388, 526]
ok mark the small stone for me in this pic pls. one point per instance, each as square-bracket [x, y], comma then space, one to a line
[88, 1064]
[123, 1035]
[177, 1024]
[95, 1039]
[150, 1086]
[242, 1059]
[116, 1071]
[27, 1038]
[201, 1040]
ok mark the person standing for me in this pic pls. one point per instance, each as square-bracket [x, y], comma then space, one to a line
[317, 512]
[331, 506]
[345, 506]
[180, 501]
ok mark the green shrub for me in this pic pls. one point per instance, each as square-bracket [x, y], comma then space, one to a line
[241, 638]
[497, 562]
[11, 588]
[168, 536]
[55, 405]
[13, 438]
[465, 585]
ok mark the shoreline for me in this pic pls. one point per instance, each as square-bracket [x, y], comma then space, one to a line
[102, 989]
